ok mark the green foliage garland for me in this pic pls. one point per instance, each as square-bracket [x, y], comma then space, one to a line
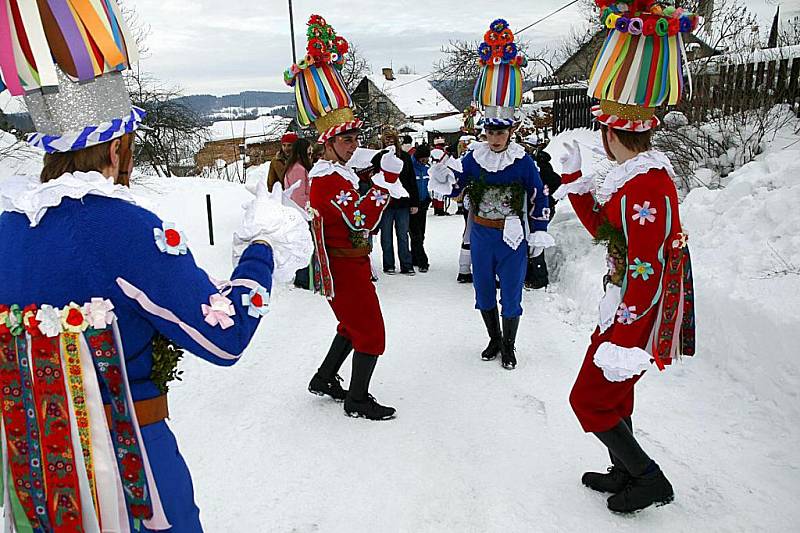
[166, 355]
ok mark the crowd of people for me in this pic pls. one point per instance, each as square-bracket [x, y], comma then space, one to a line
[404, 223]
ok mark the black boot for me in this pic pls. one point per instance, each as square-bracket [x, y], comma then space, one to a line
[509, 358]
[492, 320]
[464, 278]
[648, 485]
[326, 380]
[360, 403]
[615, 479]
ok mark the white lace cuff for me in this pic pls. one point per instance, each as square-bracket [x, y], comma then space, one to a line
[396, 189]
[541, 239]
[582, 185]
[620, 364]
[286, 232]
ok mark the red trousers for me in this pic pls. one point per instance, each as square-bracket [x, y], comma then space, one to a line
[598, 403]
[356, 304]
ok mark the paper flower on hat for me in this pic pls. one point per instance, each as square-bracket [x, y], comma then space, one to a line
[257, 302]
[485, 51]
[324, 46]
[626, 315]
[220, 311]
[498, 46]
[73, 318]
[498, 25]
[12, 319]
[49, 320]
[170, 240]
[30, 322]
[100, 313]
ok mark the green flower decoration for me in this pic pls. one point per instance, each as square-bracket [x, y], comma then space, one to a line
[14, 321]
[641, 268]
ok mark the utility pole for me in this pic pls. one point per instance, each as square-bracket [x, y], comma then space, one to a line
[291, 30]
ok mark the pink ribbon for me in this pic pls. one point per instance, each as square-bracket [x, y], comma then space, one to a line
[7, 62]
[220, 311]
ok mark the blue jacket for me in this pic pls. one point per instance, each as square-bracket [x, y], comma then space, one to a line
[523, 171]
[421, 172]
[92, 247]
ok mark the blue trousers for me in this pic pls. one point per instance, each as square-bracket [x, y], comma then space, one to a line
[492, 257]
[396, 218]
[172, 479]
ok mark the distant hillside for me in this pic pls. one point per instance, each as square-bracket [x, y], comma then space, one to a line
[205, 104]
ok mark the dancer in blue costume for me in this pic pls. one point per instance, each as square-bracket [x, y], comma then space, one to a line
[83, 264]
[508, 204]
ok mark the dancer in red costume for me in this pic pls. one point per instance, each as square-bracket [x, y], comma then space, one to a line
[342, 220]
[647, 313]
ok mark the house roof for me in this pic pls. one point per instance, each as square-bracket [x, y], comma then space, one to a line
[262, 129]
[413, 95]
[449, 124]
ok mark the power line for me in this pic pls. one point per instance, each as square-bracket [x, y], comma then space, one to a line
[529, 26]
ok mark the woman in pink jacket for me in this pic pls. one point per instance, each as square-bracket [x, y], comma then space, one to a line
[297, 168]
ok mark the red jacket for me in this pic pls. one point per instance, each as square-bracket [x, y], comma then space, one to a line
[657, 308]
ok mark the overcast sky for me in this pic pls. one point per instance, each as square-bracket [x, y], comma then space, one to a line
[226, 46]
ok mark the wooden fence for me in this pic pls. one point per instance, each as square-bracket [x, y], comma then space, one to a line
[740, 87]
[572, 109]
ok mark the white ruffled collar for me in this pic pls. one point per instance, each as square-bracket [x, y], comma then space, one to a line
[27, 195]
[323, 167]
[619, 175]
[492, 161]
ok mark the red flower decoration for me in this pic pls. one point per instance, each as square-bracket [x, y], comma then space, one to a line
[649, 26]
[316, 19]
[30, 322]
[674, 26]
[342, 46]
[492, 38]
[507, 36]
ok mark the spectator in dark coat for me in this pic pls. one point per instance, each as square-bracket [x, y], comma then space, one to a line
[397, 216]
[537, 276]
[419, 219]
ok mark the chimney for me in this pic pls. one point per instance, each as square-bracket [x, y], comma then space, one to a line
[388, 73]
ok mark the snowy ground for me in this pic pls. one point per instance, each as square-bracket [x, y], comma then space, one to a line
[478, 448]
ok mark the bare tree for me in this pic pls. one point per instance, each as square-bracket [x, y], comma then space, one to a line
[790, 34]
[173, 133]
[355, 67]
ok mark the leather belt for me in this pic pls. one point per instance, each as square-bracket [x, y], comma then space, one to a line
[148, 411]
[491, 222]
[348, 252]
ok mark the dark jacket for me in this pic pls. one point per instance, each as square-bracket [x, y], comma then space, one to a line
[407, 178]
[550, 177]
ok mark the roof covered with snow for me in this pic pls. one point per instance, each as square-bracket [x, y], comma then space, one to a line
[414, 95]
[261, 129]
[451, 124]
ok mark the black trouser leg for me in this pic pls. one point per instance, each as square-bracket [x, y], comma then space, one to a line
[363, 367]
[417, 235]
[623, 446]
[338, 352]
[614, 460]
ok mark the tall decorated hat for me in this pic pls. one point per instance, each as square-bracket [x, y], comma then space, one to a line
[66, 58]
[498, 90]
[641, 64]
[320, 92]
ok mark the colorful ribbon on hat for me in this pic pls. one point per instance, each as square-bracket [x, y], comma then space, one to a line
[644, 70]
[499, 85]
[319, 89]
[85, 38]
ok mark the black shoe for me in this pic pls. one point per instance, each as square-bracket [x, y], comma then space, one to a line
[322, 387]
[368, 408]
[509, 358]
[408, 272]
[464, 278]
[389, 271]
[491, 320]
[643, 491]
[423, 269]
[615, 480]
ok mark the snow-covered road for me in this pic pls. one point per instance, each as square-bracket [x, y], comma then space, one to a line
[474, 447]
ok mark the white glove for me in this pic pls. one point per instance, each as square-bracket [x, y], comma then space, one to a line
[571, 161]
[441, 182]
[283, 227]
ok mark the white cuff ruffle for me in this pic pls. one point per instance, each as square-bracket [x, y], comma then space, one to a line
[541, 239]
[283, 227]
[621, 364]
[441, 182]
[395, 188]
[582, 185]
